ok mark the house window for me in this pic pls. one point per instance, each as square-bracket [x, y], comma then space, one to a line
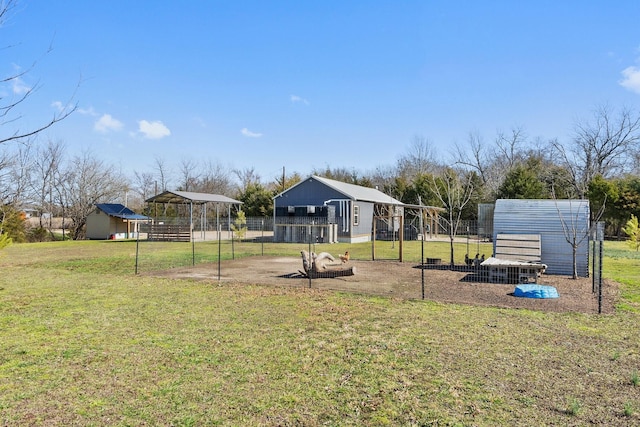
[356, 215]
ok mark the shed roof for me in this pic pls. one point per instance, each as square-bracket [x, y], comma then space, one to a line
[189, 196]
[118, 210]
[354, 192]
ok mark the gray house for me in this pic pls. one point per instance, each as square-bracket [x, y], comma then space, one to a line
[334, 211]
[557, 222]
[113, 221]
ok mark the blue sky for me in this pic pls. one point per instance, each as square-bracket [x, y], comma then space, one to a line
[310, 84]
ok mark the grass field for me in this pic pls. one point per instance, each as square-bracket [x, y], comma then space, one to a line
[85, 341]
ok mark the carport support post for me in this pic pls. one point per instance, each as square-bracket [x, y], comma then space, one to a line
[219, 242]
[193, 242]
[310, 258]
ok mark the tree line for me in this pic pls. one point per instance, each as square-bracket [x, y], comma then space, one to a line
[601, 163]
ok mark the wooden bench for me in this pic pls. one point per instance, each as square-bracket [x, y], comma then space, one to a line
[518, 247]
[517, 259]
[169, 233]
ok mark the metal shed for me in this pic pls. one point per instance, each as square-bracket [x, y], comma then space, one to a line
[556, 221]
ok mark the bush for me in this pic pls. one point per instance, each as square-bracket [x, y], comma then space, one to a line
[12, 223]
[38, 234]
[5, 240]
[633, 231]
[239, 226]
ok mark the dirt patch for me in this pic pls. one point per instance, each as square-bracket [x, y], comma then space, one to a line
[404, 280]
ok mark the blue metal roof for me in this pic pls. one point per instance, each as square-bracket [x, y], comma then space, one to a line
[120, 211]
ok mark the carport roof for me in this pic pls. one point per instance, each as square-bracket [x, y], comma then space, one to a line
[189, 196]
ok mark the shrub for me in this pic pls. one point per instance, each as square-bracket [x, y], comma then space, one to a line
[12, 223]
[239, 226]
[633, 231]
[5, 240]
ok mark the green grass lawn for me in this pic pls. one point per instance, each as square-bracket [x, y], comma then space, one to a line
[85, 341]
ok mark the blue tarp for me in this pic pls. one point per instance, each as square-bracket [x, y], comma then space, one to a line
[534, 290]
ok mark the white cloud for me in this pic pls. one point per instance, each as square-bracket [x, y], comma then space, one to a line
[296, 98]
[19, 87]
[58, 105]
[246, 132]
[631, 79]
[88, 111]
[153, 130]
[107, 123]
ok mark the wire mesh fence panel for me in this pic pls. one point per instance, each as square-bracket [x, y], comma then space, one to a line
[171, 243]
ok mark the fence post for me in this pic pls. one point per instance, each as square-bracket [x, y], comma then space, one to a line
[593, 266]
[137, 250]
[422, 252]
[310, 258]
[600, 278]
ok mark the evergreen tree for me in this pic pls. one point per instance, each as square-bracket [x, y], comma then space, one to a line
[257, 200]
[521, 182]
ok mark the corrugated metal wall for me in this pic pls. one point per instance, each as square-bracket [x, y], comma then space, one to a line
[546, 217]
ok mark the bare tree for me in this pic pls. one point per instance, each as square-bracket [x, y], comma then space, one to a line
[14, 168]
[7, 189]
[454, 190]
[87, 181]
[573, 228]
[509, 147]
[20, 173]
[10, 114]
[419, 160]
[605, 146]
[493, 162]
[189, 173]
[216, 179]
[162, 173]
[247, 177]
[144, 185]
[44, 171]
[475, 156]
